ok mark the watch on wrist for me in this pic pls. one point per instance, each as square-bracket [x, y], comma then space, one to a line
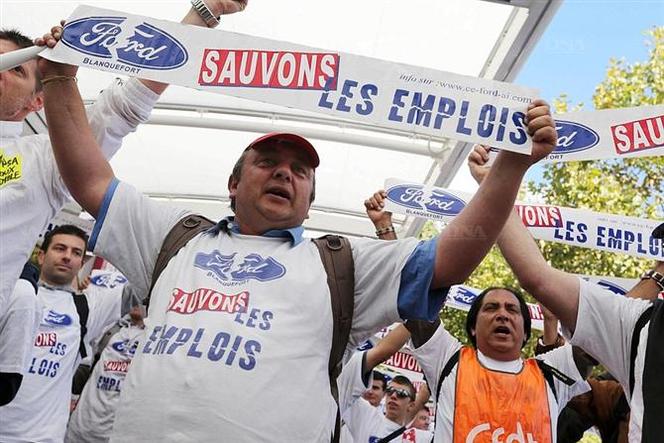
[654, 275]
[204, 12]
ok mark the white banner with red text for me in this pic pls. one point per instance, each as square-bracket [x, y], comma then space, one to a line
[381, 93]
[576, 227]
[609, 133]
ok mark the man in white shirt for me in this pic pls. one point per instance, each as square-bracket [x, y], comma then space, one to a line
[598, 321]
[249, 299]
[41, 408]
[31, 189]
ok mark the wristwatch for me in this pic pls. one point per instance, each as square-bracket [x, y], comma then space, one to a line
[658, 277]
[204, 12]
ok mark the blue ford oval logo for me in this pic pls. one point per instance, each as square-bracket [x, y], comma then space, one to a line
[574, 137]
[147, 47]
[464, 296]
[119, 346]
[412, 196]
[57, 319]
[110, 280]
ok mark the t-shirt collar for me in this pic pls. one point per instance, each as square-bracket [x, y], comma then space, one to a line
[295, 234]
[10, 129]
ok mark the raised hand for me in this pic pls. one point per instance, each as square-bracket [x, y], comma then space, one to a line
[477, 162]
[374, 206]
[542, 129]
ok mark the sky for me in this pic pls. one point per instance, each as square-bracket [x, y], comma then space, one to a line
[573, 53]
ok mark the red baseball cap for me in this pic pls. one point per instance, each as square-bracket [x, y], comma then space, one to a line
[292, 139]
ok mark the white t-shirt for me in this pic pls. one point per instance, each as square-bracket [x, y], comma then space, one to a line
[40, 410]
[360, 424]
[239, 327]
[31, 189]
[18, 328]
[367, 425]
[436, 352]
[92, 420]
[604, 328]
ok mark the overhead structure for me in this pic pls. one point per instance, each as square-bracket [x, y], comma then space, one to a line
[186, 153]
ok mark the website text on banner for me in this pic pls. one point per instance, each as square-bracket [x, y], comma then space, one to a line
[377, 92]
[609, 133]
[594, 230]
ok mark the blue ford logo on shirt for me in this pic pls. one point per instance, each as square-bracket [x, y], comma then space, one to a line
[574, 137]
[439, 202]
[148, 46]
[57, 319]
[464, 296]
[110, 280]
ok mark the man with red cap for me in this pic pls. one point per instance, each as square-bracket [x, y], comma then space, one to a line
[240, 319]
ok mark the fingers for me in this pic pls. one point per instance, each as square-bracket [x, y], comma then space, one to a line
[479, 155]
[376, 202]
[51, 38]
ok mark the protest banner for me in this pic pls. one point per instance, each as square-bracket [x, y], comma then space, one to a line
[609, 133]
[594, 230]
[385, 94]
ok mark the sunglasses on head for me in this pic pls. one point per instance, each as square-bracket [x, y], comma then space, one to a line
[400, 393]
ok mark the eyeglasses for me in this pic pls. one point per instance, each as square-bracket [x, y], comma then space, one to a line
[400, 393]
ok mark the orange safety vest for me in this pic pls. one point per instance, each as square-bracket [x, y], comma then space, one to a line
[499, 407]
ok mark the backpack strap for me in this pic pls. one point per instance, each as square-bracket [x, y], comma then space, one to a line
[636, 338]
[451, 363]
[83, 310]
[183, 231]
[549, 372]
[337, 257]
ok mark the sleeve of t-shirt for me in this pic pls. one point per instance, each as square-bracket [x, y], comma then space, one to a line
[352, 383]
[119, 109]
[604, 326]
[435, 353]
[392, 282]
[104, 304]
[562, 359]
[18, 327]
[129, 231]
[359, 416]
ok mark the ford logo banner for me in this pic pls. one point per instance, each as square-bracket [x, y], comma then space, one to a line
[574, 137]
[147, 47]
[438, 202]
[464, 296]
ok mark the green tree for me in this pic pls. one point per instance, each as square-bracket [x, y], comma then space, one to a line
[631, 187]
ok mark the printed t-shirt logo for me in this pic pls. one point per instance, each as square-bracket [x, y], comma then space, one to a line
[148, 47]
[109, 280]
[205, 299]
[120, 366]
[57, 319]
[11, 168]
[252, 267]
[123, 347]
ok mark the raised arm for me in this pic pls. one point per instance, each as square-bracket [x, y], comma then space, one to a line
[218, 8]
[463, 243]
[387, 347]
[381, 219]
[557, 290]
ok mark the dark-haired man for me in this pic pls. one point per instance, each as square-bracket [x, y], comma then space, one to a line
[624, 334]
[374, 395]
[41, 408]
[487, 391]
